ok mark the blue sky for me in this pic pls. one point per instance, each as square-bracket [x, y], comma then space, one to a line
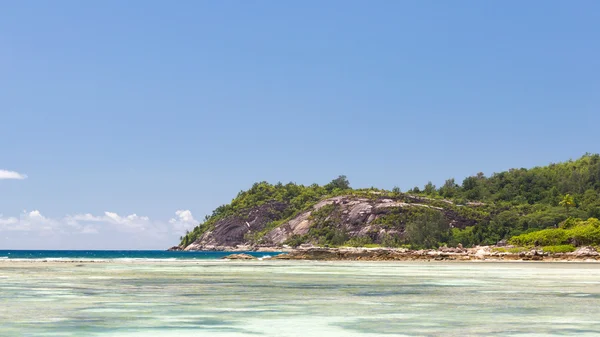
[122, 113]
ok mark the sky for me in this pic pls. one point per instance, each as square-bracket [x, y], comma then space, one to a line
[123, 123]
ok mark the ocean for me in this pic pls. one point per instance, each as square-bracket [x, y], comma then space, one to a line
[67, 255]
[139, 295]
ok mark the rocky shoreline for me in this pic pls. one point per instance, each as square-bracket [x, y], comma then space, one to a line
[238, 248]
[485, 253]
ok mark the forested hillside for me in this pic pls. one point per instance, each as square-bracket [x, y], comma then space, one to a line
[480, 210]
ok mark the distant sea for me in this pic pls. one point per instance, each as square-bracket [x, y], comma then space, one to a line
[120, 254]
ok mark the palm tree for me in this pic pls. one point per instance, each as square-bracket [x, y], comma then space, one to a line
[567, 202]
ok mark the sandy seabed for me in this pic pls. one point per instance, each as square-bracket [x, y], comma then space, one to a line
[298, 298]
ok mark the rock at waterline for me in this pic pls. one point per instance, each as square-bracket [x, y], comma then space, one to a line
[239, 257]
[175, 249]
[584, 252]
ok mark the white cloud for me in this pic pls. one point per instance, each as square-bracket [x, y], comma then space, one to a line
[73, 219]
[78, 223]
[101, 231]
[35, 219]
[128, 223]
[8, 223]
[183, 221]
[27, 221]
[4, 174]
[89, 230]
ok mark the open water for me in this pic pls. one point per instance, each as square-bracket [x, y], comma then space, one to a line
[203, 297]
[69, 255]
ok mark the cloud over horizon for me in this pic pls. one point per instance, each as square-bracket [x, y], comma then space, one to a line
[5, 174]
[183, 221]
[88, 230]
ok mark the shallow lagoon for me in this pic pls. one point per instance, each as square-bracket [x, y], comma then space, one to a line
[298, 298]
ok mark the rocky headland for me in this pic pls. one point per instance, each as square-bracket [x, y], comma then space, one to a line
[543, 213]
[348, 215]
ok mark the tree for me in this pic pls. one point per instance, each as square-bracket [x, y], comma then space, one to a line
[415, 189]
[449, 189]
[469, 183]
[396, 191]
[427, 229]
[340, 182]
[471, 187]
[567, 202]
[429, 189]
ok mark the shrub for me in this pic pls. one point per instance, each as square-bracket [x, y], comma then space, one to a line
[570, 223]
[585, 234]
[372, 245]
[574, 231]
[360, 241]
[559, 249]
[390, 240]
[545, 237]
[513, 250]
[463, 236]
[295, 240]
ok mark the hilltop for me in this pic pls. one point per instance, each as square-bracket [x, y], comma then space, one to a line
[479, 211]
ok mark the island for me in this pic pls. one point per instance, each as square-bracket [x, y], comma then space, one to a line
[542, 213]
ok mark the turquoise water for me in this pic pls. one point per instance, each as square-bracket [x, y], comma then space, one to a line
[116, 254]
[297, 298]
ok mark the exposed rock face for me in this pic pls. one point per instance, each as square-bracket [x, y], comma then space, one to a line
[297, 226]
[354, 216]
[230, 232]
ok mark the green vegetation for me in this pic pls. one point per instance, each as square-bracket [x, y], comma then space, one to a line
[524, 206]
[398, 218]
[540, 185]
[427, 230]
[575, 232]
[521, 201]
[361, 241]
[296, 240]
[465, 237]
[567, 202]
[513, 250]
[326, 228]
[559, 249]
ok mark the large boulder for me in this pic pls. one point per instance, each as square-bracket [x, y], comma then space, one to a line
[239, 257]
[586, 251]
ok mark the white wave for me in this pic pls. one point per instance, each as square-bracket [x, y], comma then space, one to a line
[59, 259]
[111, 259]
[137, 259]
